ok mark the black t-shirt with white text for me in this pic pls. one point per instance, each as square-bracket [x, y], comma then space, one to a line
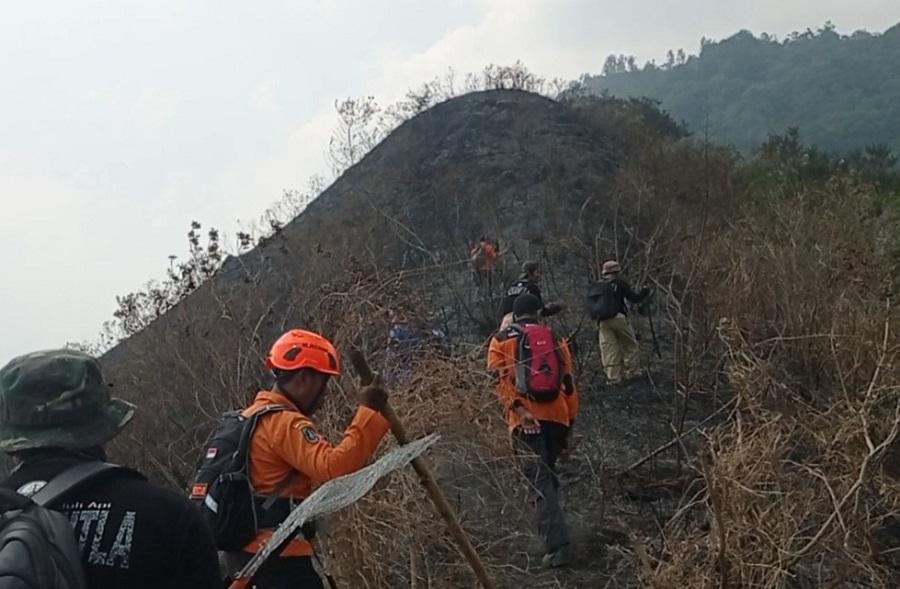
[520, 287]
[132, 534]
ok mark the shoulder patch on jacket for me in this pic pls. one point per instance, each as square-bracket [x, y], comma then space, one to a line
[30, 488]
[505, 334]
[309, 434]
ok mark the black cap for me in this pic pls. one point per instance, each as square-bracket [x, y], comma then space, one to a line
[529, 267]
[526, 304]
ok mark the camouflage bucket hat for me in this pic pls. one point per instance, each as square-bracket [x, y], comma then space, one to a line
[57, 398]
[610, 267]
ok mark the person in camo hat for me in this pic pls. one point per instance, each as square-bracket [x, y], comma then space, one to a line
[56, 414]
[57, 399]
[619, 348]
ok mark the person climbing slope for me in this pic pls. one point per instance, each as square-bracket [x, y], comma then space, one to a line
[483, 257]
[606, 304]
[534, 381]
[529, 281]
[288, 457]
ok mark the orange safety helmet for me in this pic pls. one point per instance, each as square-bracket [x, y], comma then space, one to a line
[299, 348]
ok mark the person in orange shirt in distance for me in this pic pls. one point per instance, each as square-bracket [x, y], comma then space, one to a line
[483, 257]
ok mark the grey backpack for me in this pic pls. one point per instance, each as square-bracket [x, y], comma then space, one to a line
[38, 549]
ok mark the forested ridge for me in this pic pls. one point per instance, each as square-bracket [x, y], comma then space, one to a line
[842, 91]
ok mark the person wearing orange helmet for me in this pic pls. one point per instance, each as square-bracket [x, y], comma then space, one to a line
[288, 456]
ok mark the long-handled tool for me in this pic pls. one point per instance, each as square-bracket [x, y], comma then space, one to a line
[332, 496]
[427, 478]
[647, 311]
[653, 334]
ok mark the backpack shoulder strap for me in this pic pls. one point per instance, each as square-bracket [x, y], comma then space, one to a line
[283, 484]
[9, 498]
[278, 490]
[243, 447]
[509, 332]
[270, 408]
[74, 477]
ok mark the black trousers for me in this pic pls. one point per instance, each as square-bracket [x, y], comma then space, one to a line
[287, 572]
[295, 572]
[539, 455]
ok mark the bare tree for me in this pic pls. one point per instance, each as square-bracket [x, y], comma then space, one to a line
[356, 133]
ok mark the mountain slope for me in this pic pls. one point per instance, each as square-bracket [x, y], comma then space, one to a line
[771, 287]
[504, 163]
[392, 235]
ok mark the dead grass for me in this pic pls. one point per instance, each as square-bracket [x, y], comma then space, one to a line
[784, 299]
[797, 489]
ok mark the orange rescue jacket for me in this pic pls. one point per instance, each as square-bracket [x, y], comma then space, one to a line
[287, 441]
[502, 361]
[483, 256]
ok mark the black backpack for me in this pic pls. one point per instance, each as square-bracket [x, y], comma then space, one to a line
[221, 487]
[38, 549]
[601, 300]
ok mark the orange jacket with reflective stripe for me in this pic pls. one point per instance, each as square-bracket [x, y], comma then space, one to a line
[502, 362]
[287, 441]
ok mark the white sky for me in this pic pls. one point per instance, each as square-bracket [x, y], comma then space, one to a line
[122, 121]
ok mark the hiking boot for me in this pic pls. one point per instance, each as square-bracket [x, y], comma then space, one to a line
[614, 382]
[556, 558]
[634, 374]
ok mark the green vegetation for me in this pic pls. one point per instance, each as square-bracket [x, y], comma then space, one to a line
[843, 92]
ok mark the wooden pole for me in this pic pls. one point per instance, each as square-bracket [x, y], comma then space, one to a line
[432, 489]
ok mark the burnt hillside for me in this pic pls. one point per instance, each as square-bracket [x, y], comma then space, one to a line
[774, 390]
[484, 162]
[514, 165]
[504, 163]
[532, 172]
[551, 181]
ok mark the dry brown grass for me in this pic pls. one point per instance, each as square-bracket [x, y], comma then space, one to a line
[394, 537]
[788, 296]
[800, 490]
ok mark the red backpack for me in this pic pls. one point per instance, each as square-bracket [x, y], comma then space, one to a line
[539, 364]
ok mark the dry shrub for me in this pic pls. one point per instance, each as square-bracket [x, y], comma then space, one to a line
[800, 491]
[800, 485]
[395, 533]
[393, 537]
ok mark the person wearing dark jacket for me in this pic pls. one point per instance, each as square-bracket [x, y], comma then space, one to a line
[528, 282]
[56, 414]
[618, 345]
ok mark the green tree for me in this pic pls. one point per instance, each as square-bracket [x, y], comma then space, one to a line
[838, 89]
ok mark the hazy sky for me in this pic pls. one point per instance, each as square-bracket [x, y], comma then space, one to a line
[122, 121]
